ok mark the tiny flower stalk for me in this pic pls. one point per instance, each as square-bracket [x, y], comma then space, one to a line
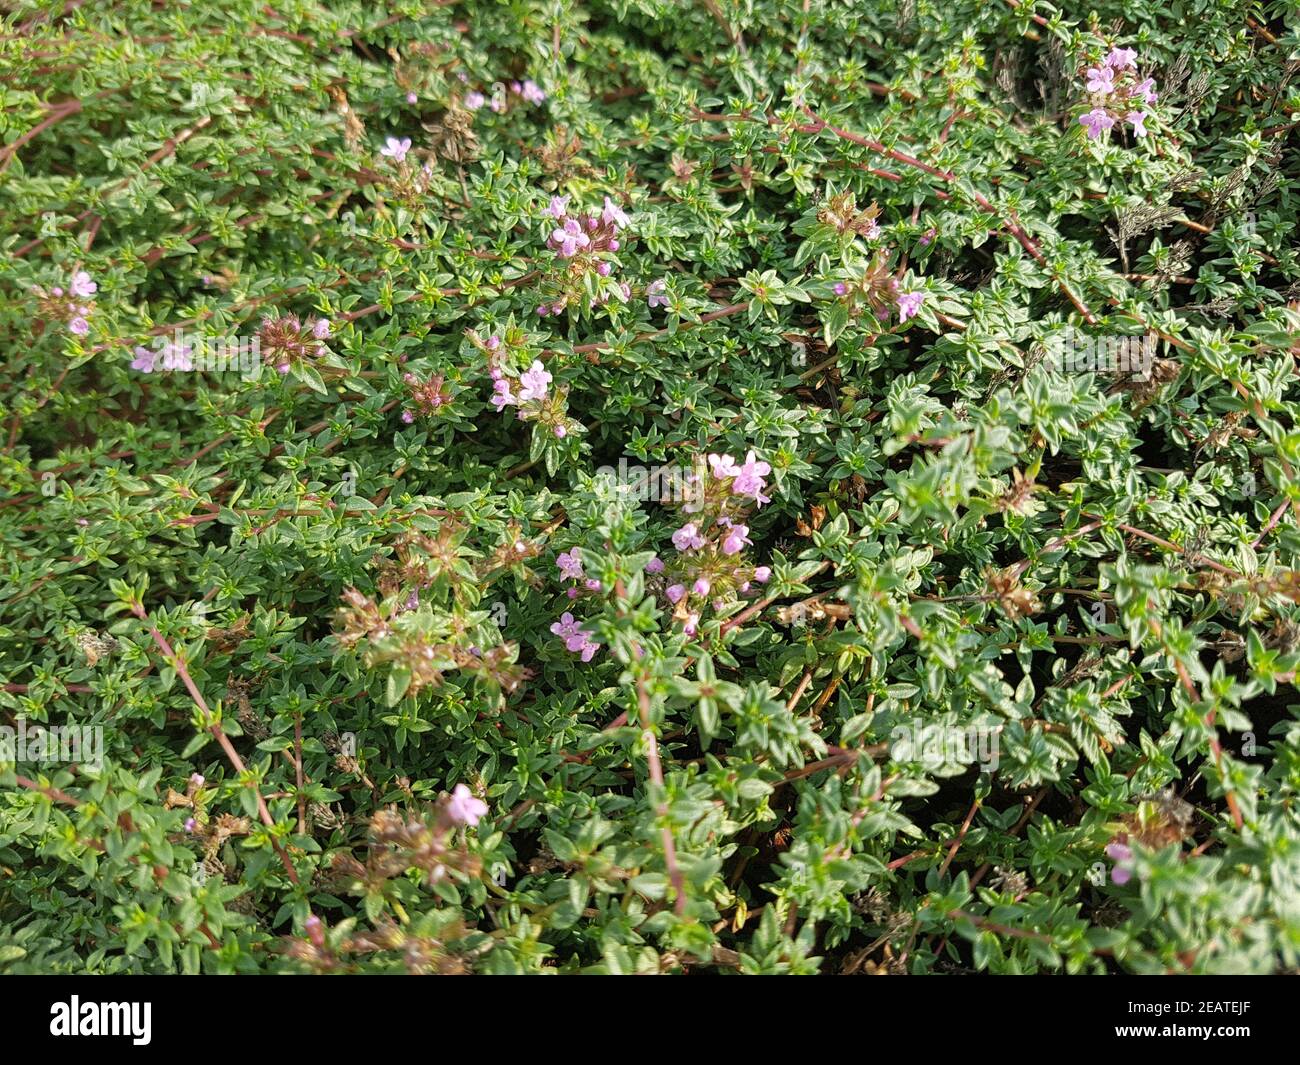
[73, 306]
[585, 243]
[1117, 95]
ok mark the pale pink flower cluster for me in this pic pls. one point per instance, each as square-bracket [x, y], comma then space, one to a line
[1118, 94]
[395, 148]
[709, 544]
[746, 479]
[529, 91]
[427, 397]
[583, 241]
[171, 356]
[1122, 855]
[532, 385]
[464, 808]
[531, 391]
[577, 640]
[74, 305]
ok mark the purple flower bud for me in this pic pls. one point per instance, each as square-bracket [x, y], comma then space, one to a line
[702, 586]
[315, 930]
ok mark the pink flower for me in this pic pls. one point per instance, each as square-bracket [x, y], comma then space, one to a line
[603, 269]
[908, 304]
[1097, 121]
[1147, 90]
[501, 394]
[588, 649]
[723, 466]
[464, 808]
[534, 381]
[177, 356]
[749, 480]
[411, 98]
[570, 564]
[591, 584]
[1121, 58]
[655, 565]
[566, 627]
[654, 294]
[558, 208]
[396, 149]
[315, 930]
[569, 239]
[613, 214]
[1136, 119]
[692, 625]
[144, 359]
[687, 537]
[190, 824]
[841, 288]
[1122, 855]
[321, 329]
[561, 432]
[81, 286]
[701, 586]
[79, 326]
[675, 592]
[1101, 80]
[474, 100]
[197, 780]
[736, 539]
[762, 574]
[532, 93]
[408, 417]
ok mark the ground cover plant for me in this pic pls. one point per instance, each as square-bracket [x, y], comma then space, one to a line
[629, 486]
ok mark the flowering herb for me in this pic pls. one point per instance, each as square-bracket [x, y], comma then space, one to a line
[773, 488]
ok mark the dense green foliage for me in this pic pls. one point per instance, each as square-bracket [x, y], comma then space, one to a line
[962, 653]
